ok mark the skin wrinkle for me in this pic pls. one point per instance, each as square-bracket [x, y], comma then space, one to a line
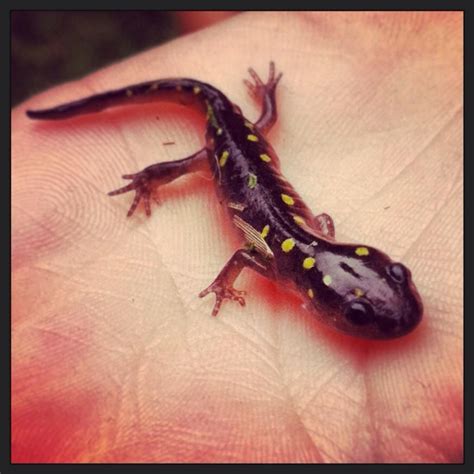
[417, 156]
[392, 180]
[106, 330]
[252, 343]
[369, 412]
[322, 385]
[456, 184]
[445, 329]
[116, 417]
[79, 282]
[184, 309]
[59, 334]
[247, 340]
[250, 389]
[370, 406]
[433, 219]
[325, 456]
[260, 336]
[382, 422]
[87, 181]
[134, 383]
[70, 241]
[416, 436]
[83, 229]
[316, 455]
[26, 325]
[36, 220]
[421, 234]
[112, 333]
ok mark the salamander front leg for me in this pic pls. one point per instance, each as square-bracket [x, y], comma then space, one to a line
[157, 175]
[266, 94]
[222, 285]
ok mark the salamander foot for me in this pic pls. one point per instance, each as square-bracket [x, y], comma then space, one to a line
[258, 89]
[141, 185]
[223, 293]
[158, 174]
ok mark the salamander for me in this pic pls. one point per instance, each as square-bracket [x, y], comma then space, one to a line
[353, 288]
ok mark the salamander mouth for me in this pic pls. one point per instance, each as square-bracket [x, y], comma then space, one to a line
[405, 321]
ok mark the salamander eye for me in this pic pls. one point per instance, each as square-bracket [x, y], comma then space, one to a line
[359, 312]
[397, 272]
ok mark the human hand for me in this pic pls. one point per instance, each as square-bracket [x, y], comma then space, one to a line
[116, 359]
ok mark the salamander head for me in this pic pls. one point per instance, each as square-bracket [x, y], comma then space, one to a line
[361, 291]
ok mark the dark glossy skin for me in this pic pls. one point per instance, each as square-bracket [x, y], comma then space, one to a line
[356, 289]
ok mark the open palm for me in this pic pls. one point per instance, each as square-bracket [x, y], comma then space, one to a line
[116, 359]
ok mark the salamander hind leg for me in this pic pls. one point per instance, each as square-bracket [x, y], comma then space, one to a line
[324, 224]
[222, 285]
[264, 93]
[158, 174]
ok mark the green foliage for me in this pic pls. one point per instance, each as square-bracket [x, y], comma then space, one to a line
[51, 47]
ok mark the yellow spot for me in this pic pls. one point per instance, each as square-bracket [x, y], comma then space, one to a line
[248, 125]
[308, 263]
[129, 93]
[287, 199]
[196, 90]
[299, 220]
[210, 115]
[358, 292]
[311, 293]
[252, 181]
[362, 251]
[179, 87]
[265, 231]
[264, 157]
[252, 138]
[219, 131]
[327, 280]
[287, 245]
[223, 158]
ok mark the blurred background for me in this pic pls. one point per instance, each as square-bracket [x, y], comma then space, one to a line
[51, 47]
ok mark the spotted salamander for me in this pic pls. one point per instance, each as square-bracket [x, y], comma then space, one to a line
[354, 288]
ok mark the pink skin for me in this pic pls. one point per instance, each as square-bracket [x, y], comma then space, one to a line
[116, 359]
